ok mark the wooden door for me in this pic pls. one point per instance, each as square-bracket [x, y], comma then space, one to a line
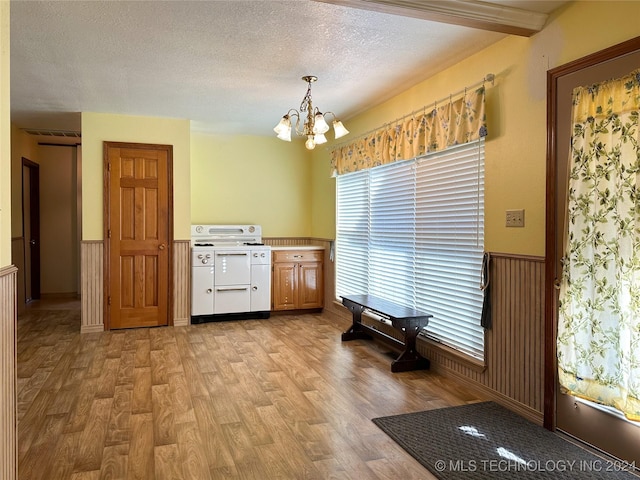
[138, 233]
[601, 427]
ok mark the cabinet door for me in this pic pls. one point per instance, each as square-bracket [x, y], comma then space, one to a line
[310, 287]
[284, 286]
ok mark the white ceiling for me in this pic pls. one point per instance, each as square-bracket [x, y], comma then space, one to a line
[229, 66]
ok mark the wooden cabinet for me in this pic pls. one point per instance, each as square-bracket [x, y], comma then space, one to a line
[298, 279]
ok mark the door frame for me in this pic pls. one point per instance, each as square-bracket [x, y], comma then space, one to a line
[33, 276]
[107, 220]
[551, 307]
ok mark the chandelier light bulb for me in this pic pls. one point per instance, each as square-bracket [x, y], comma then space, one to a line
[310, 143]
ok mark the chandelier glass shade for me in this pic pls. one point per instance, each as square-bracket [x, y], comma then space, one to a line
[314, 124]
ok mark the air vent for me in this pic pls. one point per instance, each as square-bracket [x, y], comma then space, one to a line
[53, 133]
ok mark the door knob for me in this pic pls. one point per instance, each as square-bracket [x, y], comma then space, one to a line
[161, 246]
[32, 242]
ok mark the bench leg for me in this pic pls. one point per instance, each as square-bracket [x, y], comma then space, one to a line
[355, 332]
[410, 359]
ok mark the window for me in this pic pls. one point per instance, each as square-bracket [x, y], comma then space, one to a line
[412, 232]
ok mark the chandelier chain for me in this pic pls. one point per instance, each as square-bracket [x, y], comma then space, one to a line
[306, 101]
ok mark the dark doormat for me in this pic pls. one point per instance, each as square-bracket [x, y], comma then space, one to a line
[487, 441]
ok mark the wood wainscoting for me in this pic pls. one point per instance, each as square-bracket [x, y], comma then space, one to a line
[91, 285]
[92, 260]
[181, 282]
[513, 371]
[8, 323]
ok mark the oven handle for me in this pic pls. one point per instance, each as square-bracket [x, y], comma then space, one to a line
[232, 254]
[232, 289]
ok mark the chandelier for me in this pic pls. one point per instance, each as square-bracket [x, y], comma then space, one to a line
[314, 124]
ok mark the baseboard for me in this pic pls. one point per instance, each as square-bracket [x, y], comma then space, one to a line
[91, 328]
[180, 322]
[60, 296]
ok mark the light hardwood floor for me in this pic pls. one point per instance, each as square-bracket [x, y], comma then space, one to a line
[280, 398]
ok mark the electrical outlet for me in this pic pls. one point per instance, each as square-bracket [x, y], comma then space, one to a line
[515, 218]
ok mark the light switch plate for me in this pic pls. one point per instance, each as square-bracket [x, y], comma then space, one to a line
[515, 218]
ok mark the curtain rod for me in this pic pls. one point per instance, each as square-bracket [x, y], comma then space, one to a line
[489, 77]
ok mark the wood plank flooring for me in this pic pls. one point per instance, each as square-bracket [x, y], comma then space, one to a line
[280, 398]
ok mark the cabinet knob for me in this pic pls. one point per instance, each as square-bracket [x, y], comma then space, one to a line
[209, 290]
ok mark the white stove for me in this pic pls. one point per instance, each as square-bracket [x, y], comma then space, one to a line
[231, 272]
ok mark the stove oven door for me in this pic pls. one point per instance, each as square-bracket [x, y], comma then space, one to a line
[232, 281]
[233, 267]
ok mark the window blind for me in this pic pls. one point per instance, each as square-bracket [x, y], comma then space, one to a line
[412, 232]
[392, 231]
[352, 221]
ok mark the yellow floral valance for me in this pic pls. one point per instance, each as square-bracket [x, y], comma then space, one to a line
[601, 100]
[460, 121]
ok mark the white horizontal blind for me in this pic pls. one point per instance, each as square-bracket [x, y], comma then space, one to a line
[450, 244]
[392, 231]
[420, 240]
[352, 220]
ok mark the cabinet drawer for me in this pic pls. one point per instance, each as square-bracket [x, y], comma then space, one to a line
[298, 256]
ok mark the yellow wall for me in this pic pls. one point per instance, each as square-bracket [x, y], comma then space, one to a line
[5, 139]
[98, 128]
[323, 194]
[251, 179]
[516, 107]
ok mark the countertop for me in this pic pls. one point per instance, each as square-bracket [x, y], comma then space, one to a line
[296, 247]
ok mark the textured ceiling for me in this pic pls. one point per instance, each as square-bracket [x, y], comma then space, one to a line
[228, 66]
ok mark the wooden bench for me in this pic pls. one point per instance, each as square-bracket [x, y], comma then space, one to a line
[404, 319]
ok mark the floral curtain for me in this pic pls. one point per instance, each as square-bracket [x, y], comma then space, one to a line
[460, 121]
[599, 307]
